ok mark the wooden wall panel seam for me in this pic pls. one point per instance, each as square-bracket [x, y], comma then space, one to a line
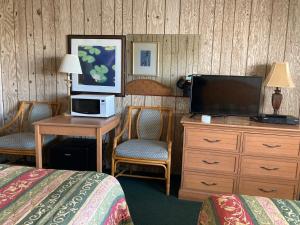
[165, 6]
[249, 35]
[147, 2]
[49, 41]
[222, 37]
[15, 48]
[213, 39]
[26, 41]
[179, 26]
[287, 28]
[30, 50]
[1, 88]
[217, 37]
[16, 90]
[231, 53]
[227, 36]
[172, 16]
[55, 53]
[38, 49]
[270, 28]
[8, 60]
[240, 37]
[108, 15]
[120, 30]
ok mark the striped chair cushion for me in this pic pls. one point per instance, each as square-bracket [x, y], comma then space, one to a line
[21, 141]
[143, 149]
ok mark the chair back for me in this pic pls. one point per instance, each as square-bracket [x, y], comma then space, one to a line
[150, 123]
[38, 111]
[28, 113]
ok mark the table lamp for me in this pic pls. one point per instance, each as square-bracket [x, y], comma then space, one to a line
[70, 64]
[279, 77]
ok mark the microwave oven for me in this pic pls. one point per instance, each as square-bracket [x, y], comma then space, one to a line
[92, 105]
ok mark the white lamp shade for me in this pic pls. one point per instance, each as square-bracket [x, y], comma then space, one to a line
[70, 64]
[280, 76]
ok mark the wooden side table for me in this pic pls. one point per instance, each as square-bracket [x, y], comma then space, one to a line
[74, 126]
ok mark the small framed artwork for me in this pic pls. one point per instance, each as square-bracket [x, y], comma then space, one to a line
[102, 62]
[145, 58]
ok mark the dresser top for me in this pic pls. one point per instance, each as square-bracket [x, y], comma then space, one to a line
[238, 122]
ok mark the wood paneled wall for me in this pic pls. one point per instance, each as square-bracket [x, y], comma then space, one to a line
[241, 37]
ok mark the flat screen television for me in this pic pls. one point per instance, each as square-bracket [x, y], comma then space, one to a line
[225, 95]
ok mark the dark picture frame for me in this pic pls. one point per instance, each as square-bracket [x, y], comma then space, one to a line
[102, 59]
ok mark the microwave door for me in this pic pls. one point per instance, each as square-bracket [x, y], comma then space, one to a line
[86, 106]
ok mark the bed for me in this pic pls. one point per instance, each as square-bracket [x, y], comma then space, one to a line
[248, 210]
[46, 196]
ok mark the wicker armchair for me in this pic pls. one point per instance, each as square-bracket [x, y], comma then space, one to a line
[153, 143]
[22, 141]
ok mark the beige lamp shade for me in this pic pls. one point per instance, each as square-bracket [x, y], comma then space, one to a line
[280, 76]
[70, 64]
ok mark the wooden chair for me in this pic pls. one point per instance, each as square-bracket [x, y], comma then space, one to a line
[153, 143]
[22, 142]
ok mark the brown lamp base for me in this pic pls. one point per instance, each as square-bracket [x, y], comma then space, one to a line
[276, 100]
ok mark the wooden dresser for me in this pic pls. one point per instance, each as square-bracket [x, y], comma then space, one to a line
[235, 155]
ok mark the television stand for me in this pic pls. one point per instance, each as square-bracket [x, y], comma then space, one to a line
[235, 155]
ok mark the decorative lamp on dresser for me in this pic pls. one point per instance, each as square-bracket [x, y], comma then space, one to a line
[236, 155]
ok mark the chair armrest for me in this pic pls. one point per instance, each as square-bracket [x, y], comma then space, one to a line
[169, 146]
[14, 119]
[119, 136]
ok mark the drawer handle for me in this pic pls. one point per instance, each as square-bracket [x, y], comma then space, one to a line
[267, 191]
[211, 141]
[210, 163]
[212, 184]
[271, 146]
[269, 169]
[67, 154]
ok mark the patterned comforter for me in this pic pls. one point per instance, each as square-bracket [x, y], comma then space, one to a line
[45, 196]
[249, 210]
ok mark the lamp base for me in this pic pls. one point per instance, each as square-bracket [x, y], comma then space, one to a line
[276, 100]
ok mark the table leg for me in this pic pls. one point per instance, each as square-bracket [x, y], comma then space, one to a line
[99, 150]
[38, 147]
[108, 150]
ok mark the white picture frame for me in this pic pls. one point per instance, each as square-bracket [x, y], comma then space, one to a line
[145, 57]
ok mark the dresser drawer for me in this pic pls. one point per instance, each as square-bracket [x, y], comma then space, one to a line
[272, 145]
[208, 161]
[261, 167]
[209, 183]
[208, 139]
[270, 190]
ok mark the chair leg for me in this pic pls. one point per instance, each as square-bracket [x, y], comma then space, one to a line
[130, 169]
[168, 178]
[113, 167]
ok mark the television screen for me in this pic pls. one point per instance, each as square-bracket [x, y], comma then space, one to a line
[226, 95]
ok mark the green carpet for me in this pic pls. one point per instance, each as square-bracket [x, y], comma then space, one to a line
[149, 205]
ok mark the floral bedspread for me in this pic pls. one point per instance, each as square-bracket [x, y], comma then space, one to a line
[249, 210]
[45, 196]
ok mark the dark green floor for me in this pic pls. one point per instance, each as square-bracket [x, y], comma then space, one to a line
[149, 205]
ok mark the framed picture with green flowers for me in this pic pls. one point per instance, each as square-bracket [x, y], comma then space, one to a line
[102, 62]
